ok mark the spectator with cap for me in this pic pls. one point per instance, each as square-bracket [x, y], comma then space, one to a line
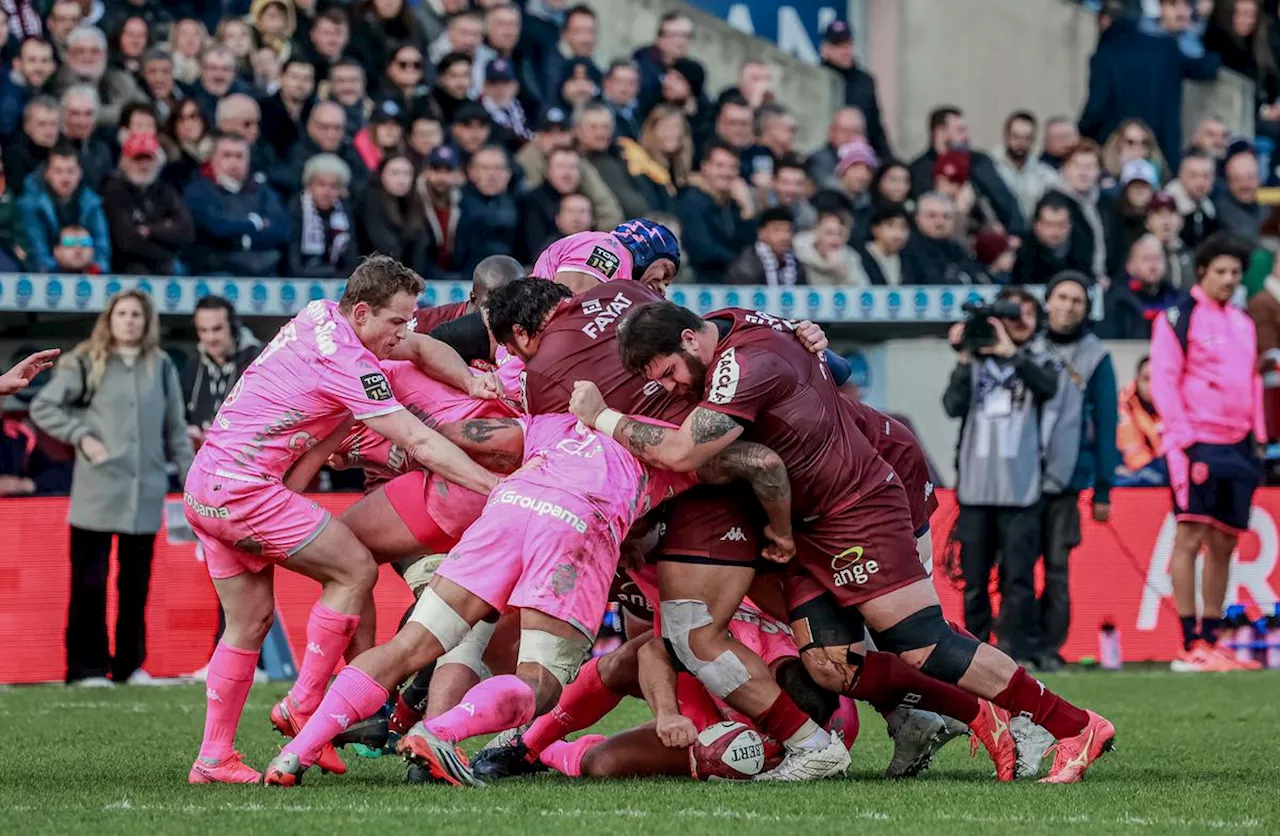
[383, 135]
[859, 85]
[675, 34]
[593, 132]
[325, 127]
[284, 111]
[825, 254]
[321, 244]
[997, 252]
[22, 156]
[463, 34]
[149, 223]
[1128, 219]
[489, 222]
[440, 189]
[403, 79]
[500, 96]
[56, 197]
[1138, 434]
[1140, 294]
[1090, 209]
[1060, 136]
[933, 256]
[662, 158]
[551, 132]
[716, 213]
[78, 115]
[577, 85]
[846, 125]
[880, 259]
[390, 218]
[471, 130]
[347, 88]
[973, 211]
[772, 259]
[1239, 211]
[948, 131]
[540, 206]
[32, 69]
[86, 63]
[453, 80]
[1025, 175]
[855, 172]
[620, 89]
[1164, 222]
[1192, 191]
[1139, 75]
[1049, 250]
[241, 227]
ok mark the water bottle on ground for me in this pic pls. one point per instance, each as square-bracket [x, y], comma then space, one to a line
[1109, 655]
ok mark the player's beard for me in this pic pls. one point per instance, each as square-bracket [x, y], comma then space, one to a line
[698, 373]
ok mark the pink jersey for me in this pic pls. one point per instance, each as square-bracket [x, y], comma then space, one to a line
[296, 393]
[510, 369]
[432, 401]
[598, 254]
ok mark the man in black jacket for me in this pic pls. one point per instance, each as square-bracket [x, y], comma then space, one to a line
[325, 127]
[948, 131]
[859, 85]
[148, 221]
[1047, 252]
[489, 219]
[78, 114]
[30, 149]
[224, 350]
[715, 213]
[933, 256]
[284, 111]
[539, 207]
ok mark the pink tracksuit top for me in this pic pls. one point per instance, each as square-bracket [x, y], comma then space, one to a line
[1210, 392]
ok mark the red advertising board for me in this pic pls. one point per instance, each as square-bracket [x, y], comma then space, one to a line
[1121, 571]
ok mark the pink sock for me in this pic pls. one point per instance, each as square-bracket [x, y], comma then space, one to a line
[328, 634]
[583, 703]
[353, 697]
[566, 758]
[230, 678]
[494, 705]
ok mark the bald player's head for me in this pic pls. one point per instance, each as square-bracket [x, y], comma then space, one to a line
[492, 273]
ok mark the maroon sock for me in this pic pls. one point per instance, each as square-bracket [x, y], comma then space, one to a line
[888, 682]
[782, 719]
[1027, 695]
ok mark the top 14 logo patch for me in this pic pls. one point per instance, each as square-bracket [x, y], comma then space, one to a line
[604, 261]
[376, 386]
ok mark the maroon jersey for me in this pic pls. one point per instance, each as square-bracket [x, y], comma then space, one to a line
[581, 343]
[900, 449]
[784, 395]
[427, 320]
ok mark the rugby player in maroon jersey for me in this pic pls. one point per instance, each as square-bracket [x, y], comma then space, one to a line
[856, 542]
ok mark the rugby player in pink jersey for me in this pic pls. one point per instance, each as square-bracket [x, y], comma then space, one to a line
[321, 366]
[639, 249]
[547, 544]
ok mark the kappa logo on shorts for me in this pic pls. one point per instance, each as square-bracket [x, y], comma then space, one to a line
[604, 261]
[724, 380]
[376, 386]
[734, 535]
[849, 567]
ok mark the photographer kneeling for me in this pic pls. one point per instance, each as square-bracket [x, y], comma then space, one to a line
[998, 388]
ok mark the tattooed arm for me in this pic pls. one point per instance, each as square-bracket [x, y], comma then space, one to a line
[767, 475]
[496, 443]
[704, 434]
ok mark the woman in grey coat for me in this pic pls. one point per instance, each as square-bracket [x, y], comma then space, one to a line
[116, 399]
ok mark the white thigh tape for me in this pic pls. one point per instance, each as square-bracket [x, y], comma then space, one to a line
[557, 654]
[440, 619]
[470, 653]
[722, 675]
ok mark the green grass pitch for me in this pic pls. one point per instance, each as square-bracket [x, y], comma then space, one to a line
[1196, 755]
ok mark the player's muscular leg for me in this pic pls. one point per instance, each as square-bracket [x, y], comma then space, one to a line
[619, 670]
[341, 564]
[702, 600]
[377, 524]
[1219, 546]
[1187, 541]
[551, 651]
[634, 753]
[248, 599]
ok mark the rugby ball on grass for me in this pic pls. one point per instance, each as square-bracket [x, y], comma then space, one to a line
[728, 751]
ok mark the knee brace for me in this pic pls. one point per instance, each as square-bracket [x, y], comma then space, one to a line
[440, 620]
[722, 675]
[559, 655]
[470, 652]
[952, 653]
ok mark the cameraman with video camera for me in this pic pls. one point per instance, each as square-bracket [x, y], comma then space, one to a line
[998, 389]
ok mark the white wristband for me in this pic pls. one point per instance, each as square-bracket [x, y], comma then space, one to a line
[608, 420]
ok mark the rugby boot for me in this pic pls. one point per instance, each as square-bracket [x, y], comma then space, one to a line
[991, 729]
[288, 721]
[445, 762]
[230, 770]
[1075, 755]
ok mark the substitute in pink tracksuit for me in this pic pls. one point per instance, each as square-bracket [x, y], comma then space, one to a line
[1205, 384]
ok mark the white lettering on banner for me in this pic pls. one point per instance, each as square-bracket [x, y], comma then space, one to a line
[543, 508]
[724, 380]
[1251, 577]
[605, 315]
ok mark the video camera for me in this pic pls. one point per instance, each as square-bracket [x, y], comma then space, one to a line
[978, 332]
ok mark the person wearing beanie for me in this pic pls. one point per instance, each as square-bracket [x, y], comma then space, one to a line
[856, 171]
[1139, 295]
[1139, 181]
[948, 131]
[997, 251]
[973, 212]
[1165, 223]
[1078, 425]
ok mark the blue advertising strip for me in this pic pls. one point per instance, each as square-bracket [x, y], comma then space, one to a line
[795, 26]
[285, 297]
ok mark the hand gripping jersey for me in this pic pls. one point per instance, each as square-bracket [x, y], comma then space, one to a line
[597, 254]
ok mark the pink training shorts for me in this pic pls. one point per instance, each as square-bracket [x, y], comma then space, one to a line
[433, 508]
[538, 548]
[248, 526]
